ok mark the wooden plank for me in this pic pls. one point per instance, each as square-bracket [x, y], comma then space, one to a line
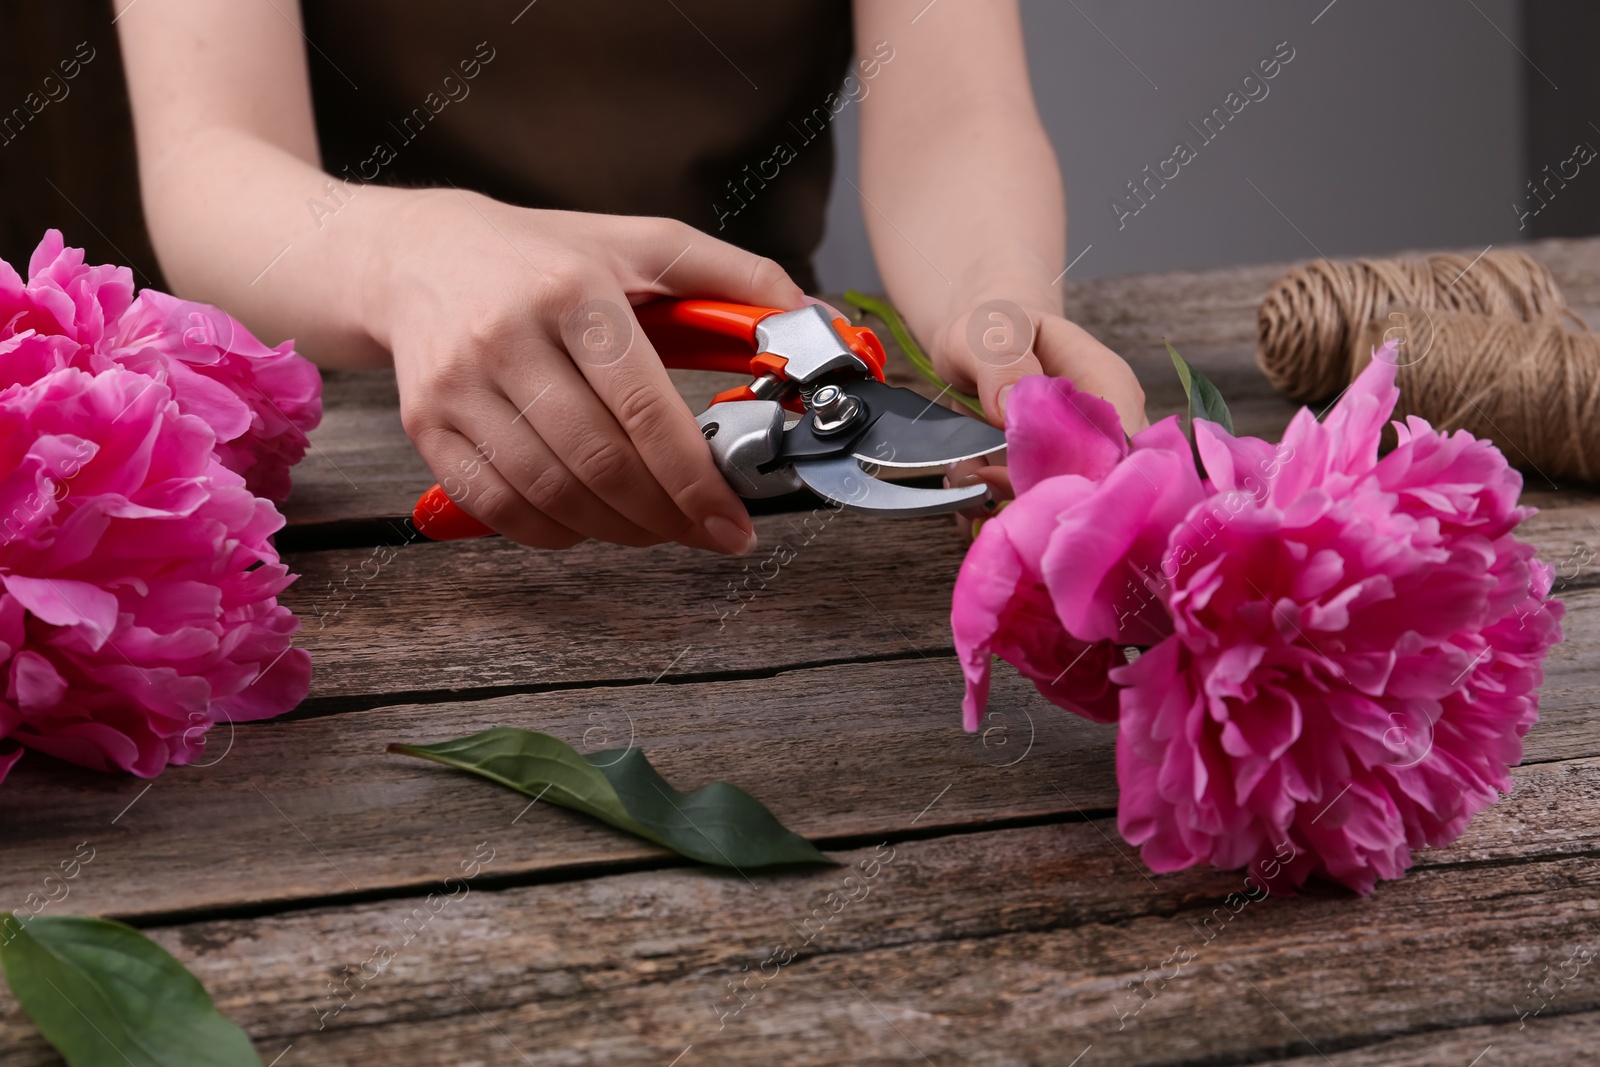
[361, 464]
[485, 614]
[331, 774]
[1534, 1042]
[1011, 946]
[1566, 532]
[1576, 266]
[313, 807]
[824, 586]
[1135, 313]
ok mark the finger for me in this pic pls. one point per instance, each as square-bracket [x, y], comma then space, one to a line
[617, 360]
[584, 467]
[509, 440]
[670, 258]
[479, 490]
[971, 472]
[833, 312]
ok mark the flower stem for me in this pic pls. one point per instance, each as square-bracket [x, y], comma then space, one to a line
[908, 344]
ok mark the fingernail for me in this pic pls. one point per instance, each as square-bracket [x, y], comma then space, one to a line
[730, 535]
[1000, 398]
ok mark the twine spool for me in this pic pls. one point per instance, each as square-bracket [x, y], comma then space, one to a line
[1309, 318]
[1532, 388]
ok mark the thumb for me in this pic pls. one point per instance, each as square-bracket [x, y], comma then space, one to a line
[994, 385]
[677, 260]
[990, 349]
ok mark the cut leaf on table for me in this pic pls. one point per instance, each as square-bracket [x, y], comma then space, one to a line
[719, 823]
[107, 996]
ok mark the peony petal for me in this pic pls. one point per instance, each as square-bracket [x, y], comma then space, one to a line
[137, 577]
[35, 685]
[219, 406]
[1243, 464]
[279, 687]
[999, 589]
[64, 602]
[1106, 566]
[986, 584]
[1053, 429]
[8, 760]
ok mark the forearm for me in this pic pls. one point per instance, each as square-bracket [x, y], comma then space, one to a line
[964, 204]
[239, 210]
[977, 213]
[963, 197]
[246, 225]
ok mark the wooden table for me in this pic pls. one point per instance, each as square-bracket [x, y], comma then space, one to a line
[1007, 916]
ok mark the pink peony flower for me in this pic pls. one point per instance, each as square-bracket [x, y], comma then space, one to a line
[1343, 652]
[137, 581]
[1063, 446]
[1002, 608]
[260, 402]
[62, 296]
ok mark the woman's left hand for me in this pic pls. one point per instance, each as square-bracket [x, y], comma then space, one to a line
[985, 350]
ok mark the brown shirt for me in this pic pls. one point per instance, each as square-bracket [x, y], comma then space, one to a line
[715, 112]
[640, 107]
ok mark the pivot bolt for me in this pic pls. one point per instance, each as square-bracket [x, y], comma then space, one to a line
[833, 410]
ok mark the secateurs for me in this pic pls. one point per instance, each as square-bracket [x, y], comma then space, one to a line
[830, 374]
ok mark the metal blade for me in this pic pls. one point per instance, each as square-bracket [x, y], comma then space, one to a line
[841, 481]
[912, 431]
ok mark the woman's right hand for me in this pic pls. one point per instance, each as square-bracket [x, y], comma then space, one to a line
[525, 380]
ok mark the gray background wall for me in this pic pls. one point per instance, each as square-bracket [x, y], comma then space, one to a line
[1397, 125]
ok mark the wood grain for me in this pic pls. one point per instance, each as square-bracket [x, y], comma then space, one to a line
[1534, 1042]
[824, 586]
[361, 465]
[990, 947]
[315, 808]
[1004, 932]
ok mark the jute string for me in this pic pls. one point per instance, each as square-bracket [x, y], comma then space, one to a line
[1487, 346]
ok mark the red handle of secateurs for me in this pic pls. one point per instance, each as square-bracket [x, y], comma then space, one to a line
[688, 335]
[713, 335]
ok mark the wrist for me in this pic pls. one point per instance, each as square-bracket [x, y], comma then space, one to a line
[389, 254]
[1024, 279]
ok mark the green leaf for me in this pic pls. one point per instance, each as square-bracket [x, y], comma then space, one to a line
[1205, 402]
[107, 996]
[908, 344]
[719, 823]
